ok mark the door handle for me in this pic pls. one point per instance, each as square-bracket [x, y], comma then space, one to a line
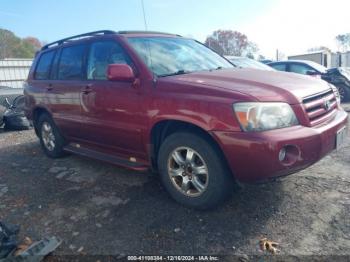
[87, 89]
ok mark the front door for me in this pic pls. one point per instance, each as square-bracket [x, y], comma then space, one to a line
[111, 110]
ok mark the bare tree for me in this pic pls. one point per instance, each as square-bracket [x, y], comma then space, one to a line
[343, 41]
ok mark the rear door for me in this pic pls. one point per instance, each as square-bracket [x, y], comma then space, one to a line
[68, 74]
[41, 82]
[111, 109]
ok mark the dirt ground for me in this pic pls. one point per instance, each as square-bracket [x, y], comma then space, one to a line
[97, 208]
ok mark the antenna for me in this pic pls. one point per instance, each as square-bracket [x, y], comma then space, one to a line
[144, 15]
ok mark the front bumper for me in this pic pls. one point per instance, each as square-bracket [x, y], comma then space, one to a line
[255, 156]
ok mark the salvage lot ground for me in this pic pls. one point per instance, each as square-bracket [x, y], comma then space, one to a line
[97, 208]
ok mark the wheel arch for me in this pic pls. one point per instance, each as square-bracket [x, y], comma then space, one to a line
[37, 112]
[163, 128]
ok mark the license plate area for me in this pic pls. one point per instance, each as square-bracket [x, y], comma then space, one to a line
[340, 138]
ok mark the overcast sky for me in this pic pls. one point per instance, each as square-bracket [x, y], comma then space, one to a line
[291, 26]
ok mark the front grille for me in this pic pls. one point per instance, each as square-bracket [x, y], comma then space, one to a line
[320, 107]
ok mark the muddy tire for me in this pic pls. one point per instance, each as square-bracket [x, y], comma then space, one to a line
[193, 171]
[52, 142]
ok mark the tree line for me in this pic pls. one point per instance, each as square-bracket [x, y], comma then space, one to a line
[12, 46]
[224, 42]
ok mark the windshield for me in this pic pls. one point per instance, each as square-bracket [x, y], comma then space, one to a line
[318, 67]
[171, 56]
[245, 62]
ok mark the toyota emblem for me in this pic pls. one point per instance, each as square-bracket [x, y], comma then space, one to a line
[327, 105]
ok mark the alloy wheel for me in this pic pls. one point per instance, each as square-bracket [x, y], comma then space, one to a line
[48, 136]
[188, 171]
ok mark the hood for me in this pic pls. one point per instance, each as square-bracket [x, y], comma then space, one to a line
[264, 85]
[345, 71]
[336, 72]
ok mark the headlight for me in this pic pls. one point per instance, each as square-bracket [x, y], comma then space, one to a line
[255, 116]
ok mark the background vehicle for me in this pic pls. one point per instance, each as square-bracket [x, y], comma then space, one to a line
[14, 117]
[148, 99]
[9, 93]
[245, 62]
[340, 77]
[12, 109]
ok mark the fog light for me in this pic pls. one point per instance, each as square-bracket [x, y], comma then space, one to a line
[282, 154]
[289, 155]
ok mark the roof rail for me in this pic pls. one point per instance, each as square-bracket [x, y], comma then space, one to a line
[60, 42]
[144, 32]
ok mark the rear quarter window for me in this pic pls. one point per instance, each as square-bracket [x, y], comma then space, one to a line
[42, 71]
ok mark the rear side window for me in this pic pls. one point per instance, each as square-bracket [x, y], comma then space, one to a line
[42, 71]
[101, 55]
[279, 67]
[71, 63]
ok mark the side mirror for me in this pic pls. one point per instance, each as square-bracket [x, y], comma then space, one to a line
[311, 73]
[120, 72]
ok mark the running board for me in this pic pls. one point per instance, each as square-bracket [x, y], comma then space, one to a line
[83, 151]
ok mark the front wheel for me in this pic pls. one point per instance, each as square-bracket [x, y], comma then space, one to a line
[344, 92]
[193, 171]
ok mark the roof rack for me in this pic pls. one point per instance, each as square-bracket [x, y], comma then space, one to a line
[144, 32]
[60, 42]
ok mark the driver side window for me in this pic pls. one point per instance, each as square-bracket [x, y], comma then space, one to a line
[102, 54]
[300, 69]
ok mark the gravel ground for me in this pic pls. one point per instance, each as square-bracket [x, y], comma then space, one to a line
[100, 209]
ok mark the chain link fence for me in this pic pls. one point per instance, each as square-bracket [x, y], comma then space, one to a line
[13, 72]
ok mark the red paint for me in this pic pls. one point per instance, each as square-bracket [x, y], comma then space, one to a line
[120, 72]
[117, 117]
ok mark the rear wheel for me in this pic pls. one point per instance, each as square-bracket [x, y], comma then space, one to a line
[193, 171]
[51, 140]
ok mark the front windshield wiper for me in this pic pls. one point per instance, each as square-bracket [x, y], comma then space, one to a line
[179, 72]
[217, 68]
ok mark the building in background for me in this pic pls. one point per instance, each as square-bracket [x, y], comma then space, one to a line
[341, 59]
[322, 57]
[325, 58]
[14, 71]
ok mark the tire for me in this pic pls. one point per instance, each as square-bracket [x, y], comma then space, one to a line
[215, 187]
[344, 92]
[16, 122]
[54, 150]
[2, 112]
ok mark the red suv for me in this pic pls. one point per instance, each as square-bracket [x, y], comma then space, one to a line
[153, 100]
